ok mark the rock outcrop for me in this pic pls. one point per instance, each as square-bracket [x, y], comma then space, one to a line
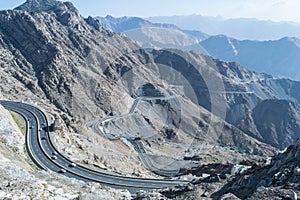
[280, 176]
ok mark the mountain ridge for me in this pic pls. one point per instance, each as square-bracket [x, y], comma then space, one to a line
[241, 29]
[154, 35]
[277, 57]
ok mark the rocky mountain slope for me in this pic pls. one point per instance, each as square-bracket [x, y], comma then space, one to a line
[277, 178]
[21, 179]
[79, 66]
[272, 116]
[278, 57]
[280, 177]
[242, 29]
[154, 35]
[182, 106]
[242, 92]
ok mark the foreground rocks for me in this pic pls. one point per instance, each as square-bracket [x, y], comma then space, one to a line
[281, 174]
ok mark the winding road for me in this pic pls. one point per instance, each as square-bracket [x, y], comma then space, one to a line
[138, 146]
[43, 153]
[148, 163]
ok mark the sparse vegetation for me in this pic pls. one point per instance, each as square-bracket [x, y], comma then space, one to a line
[2, 140]
[19, 121]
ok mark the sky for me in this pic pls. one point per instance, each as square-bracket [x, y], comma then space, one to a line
[275, 10]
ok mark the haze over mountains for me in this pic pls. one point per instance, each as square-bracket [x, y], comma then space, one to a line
[241, 29]
[183, 107]
[280, 58]
[154, 35]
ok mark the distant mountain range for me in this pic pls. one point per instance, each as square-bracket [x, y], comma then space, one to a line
[277, 57]
[242, 29]
[155, 35]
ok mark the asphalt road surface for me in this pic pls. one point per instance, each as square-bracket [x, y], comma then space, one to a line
[45, 156]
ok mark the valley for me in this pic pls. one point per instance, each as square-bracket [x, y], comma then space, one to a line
[109, 117]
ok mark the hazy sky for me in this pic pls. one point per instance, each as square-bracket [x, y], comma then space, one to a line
[276, 10]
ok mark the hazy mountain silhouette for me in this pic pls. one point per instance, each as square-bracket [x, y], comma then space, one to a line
[243, 28]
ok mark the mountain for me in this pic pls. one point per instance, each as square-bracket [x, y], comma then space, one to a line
[278, 57]
[185, 109]
[78, 71]
[80, 68]
[154, 35]
[242, 29]
[242, 92]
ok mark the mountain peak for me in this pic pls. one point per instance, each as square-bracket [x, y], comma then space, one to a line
[65, 12]
[38, 5]
[293, 40]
